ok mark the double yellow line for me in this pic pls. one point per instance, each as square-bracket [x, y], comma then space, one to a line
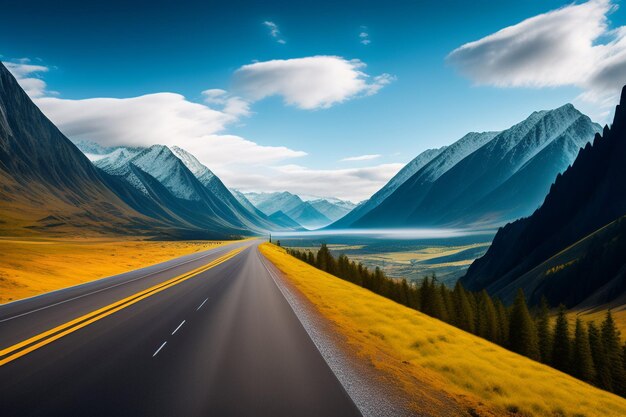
[22, 348]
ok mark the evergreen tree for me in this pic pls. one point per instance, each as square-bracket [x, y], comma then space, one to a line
[612, 346]
[446, 296]
[503, 323]
[464, 315]
[561, 348]
[488, 321]
[544, 334]
[603, 373]
[522, 332]
[582, 361]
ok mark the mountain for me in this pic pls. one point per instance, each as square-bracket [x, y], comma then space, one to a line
[283, 220]
[252, 218]
[47, 185]
[291, 205]
[394, 209]
[332, 208]
[405, 173]
[571, 249]
[166, 186]
[507, 177]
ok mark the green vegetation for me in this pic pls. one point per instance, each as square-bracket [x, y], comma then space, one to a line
[593, 355]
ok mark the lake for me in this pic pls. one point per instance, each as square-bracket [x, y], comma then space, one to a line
[401, 253]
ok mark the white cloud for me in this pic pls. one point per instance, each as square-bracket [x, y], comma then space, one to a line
[349, 184]
[27, 76]
[200, 128]
[365, 38]
[360, 158]
[163, 118]
[570, 46]
[274, 31]
[308, 83]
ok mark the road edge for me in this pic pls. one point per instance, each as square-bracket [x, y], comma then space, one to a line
[372, 395]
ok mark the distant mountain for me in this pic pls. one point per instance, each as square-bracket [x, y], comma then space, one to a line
[46, 184]
[291, 205]
[332, 208]
[506, 177]
[282, 219]
[396, 207]
[405, 173]
[572, 248]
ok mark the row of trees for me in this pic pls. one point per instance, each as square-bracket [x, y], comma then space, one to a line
[591, 353]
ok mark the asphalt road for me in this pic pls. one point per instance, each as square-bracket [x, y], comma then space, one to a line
[224, 342]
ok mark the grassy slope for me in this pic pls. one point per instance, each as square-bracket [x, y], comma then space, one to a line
[412, 346]
[33, 266]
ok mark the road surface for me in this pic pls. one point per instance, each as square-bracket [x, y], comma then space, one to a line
[208, 334]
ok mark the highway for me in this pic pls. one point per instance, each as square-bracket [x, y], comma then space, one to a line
[208, 334]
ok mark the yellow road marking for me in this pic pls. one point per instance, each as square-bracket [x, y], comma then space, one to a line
[42, 339]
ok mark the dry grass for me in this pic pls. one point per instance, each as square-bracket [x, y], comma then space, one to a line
[411, 347]
[33, 266]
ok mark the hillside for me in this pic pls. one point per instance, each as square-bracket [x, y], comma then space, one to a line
[47, 185]
[504, 178]
[583, 200]
[434, 364]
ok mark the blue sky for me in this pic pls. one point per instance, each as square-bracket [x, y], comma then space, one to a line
[423, 100]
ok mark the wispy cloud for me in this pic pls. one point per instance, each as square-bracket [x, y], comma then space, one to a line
[308, 83]
[364, 36]
[570, 46]
[360, 158]
[274, 31]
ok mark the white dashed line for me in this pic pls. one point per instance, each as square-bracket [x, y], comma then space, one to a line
[179, 326]
[200, 306]
[159, 349]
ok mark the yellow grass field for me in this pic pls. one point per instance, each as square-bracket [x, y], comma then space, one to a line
[33, 266]
[415, 349]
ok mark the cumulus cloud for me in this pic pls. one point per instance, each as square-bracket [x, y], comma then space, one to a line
[360, 158]
[308, 83]
[570, 46]
[350, 184]
[274, 31]
[163, 118]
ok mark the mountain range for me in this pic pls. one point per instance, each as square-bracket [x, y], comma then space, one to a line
[311, 214]
[571, 249]
[50, 186]
[483, 179]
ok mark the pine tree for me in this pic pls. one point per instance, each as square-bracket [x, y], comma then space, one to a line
[488, 322]
[522, 332]
[543, 332]
[603, 373]
[464, 315]
[446, 296]
[503, 323]
[582, 361]
[561, 348]
[612, 346]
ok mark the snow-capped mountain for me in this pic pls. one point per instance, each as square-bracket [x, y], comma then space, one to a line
[405, 173]
[489, 178]
[291, 205]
